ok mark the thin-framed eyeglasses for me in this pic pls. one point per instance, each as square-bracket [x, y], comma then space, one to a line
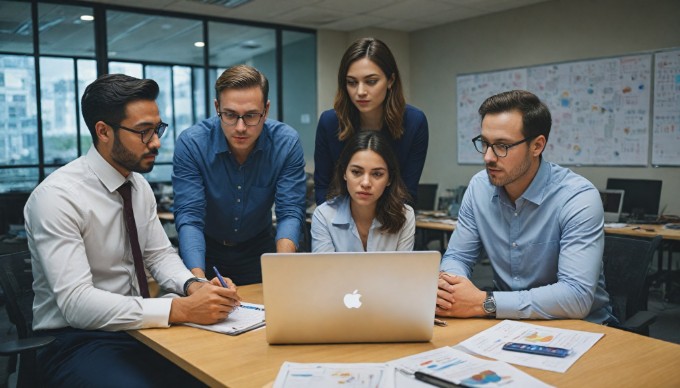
[500, 150]
[146, 134]
[249, 119]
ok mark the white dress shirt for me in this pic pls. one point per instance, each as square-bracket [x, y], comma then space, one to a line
[334, 230]
[80, 252]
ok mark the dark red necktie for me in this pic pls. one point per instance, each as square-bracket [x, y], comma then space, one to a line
[126, 192]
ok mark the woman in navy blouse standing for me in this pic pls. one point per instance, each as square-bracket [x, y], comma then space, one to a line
[370, 97]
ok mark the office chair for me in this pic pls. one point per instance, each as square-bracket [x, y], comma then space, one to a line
[16, 280]
[626, 264]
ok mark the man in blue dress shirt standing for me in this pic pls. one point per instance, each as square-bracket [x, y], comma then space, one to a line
[541, 226]
[228, 170]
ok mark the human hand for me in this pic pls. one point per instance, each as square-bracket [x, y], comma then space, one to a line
[207, 304]
[458, 297]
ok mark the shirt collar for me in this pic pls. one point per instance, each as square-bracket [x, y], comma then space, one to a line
[220, 141]
[343, 216]
[108, 175]
[536, 190]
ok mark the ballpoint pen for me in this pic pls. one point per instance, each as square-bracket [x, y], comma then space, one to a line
[220, 278]
[434, 380]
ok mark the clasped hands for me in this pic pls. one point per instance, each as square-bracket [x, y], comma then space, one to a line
[458, 297]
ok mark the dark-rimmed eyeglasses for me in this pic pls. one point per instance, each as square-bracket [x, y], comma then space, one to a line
[249, 119]
[500, 150]
[147, 134]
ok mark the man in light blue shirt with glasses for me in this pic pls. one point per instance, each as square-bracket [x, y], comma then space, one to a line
[228, 170]
[541, 226]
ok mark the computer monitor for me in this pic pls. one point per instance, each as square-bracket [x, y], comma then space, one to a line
[642, 196]
[427, 196]
[612, 202]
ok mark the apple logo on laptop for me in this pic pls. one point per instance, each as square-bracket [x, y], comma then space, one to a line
[352, 300]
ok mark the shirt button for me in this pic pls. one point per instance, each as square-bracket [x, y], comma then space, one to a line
[516, 278]
[515, 214]
[239, 187]
[238, 199]
[235, 218]
[235, 230]
[514, 245]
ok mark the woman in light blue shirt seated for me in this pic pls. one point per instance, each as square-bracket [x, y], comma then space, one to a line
[365, 209]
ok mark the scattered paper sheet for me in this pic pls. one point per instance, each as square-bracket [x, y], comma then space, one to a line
[489, 343]
[464, 369]
[367, 375]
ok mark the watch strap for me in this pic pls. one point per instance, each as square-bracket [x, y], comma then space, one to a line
[190, 281]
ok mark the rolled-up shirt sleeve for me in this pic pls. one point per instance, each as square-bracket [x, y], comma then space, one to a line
[291, 186]
[189, 203]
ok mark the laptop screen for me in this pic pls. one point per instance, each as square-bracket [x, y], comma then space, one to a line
[612, 202]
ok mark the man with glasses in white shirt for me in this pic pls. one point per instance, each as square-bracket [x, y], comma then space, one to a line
[540, 225]
[228, 170]
[92, 231]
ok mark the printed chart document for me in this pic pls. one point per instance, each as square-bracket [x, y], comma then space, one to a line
[489, 343]
[367, 375]
[461, 368]
[246, 317]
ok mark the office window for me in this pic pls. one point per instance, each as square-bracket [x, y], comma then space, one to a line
[16, 34]
[153, 39]
[232, 44]
[87, 73]
[65, 30]
[41, 130]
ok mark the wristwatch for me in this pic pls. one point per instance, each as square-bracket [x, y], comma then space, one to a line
[489, 305]
[191, 281]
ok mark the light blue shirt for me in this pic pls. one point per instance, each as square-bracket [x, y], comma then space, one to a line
[545, 249]
[334, 230]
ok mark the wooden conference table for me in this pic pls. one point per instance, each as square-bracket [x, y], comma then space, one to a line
[618, 359]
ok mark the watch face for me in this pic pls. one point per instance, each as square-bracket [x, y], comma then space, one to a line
[489, 305]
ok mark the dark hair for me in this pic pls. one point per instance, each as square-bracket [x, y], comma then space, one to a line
[390, 207]
[393, 106]
[536, 119]
[106, 98]
[242, 77]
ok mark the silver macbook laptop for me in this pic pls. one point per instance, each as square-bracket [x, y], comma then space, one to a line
[349, 297]
[612, 201]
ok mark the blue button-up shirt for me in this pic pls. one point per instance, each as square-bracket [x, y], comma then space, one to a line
[216, 195]
[545, 249]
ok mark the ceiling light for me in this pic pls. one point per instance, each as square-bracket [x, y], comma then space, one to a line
[199, 44]
[86, 18]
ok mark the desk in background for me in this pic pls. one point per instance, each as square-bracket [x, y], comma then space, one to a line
[618, 359]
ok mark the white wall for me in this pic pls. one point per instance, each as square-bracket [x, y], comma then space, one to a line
[555, 31]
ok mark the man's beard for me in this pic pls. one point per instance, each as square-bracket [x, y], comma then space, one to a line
[127, 159]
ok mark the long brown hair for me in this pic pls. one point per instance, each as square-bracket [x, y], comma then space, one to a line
[393, 106]
[390, 208]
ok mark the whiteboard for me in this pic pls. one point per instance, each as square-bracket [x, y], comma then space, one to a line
[666, 124]
[600, 108]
